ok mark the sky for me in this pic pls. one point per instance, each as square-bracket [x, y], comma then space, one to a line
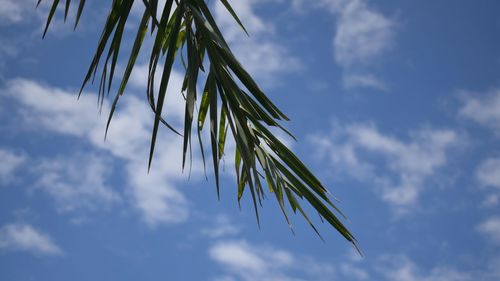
[395, 105]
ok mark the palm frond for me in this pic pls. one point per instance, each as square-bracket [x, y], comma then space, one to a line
[231, 100]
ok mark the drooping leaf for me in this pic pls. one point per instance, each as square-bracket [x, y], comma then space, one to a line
[167, 68]
[232, 101]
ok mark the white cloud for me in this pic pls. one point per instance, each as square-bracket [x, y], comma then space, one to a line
[354, 272]
[330, 5]
[402, 268]
[400, 169]
[26, 12]
[491, 228]
[488, 175]
[488, 172]
[222, 227]
[23, 237]
[155, 194]
[9, 163]
[15, 17]
[362, 35]
[491, 200]
[241, 260]
[247, 262]
[483, 109]
[16, 11]
[52, 108]
[239, 256]
[7, 50]
[259, 53]
[352, 81]
[77, 182]
[244, 261]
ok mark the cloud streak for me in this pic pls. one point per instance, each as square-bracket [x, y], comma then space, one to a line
[26, 238]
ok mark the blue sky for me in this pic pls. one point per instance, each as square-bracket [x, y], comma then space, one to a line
[395, 104]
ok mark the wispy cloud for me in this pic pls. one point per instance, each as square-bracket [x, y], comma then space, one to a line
[16, 11]
[488, 172]
[352, 81]
[482, 108]
[76, 182]
[491, 200]
[9, 163]
[491, 228]
[362, 35]
[401, 169]
[241, 260]
[244, 261]
[354, 272]
[488, 175]
[155, 194]
[222, 227]
[401, 268]
[241, 257]
[26, 13]
[24, 237]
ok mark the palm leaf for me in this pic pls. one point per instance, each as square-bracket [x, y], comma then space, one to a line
[243, 112]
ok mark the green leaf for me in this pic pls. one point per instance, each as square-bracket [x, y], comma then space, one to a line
[212, 91]
[79, 12]
[167, 68]
[66, 9]
[231, 11]
[191, 78]
[222, 132]
[139, 38]
[49, 17]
